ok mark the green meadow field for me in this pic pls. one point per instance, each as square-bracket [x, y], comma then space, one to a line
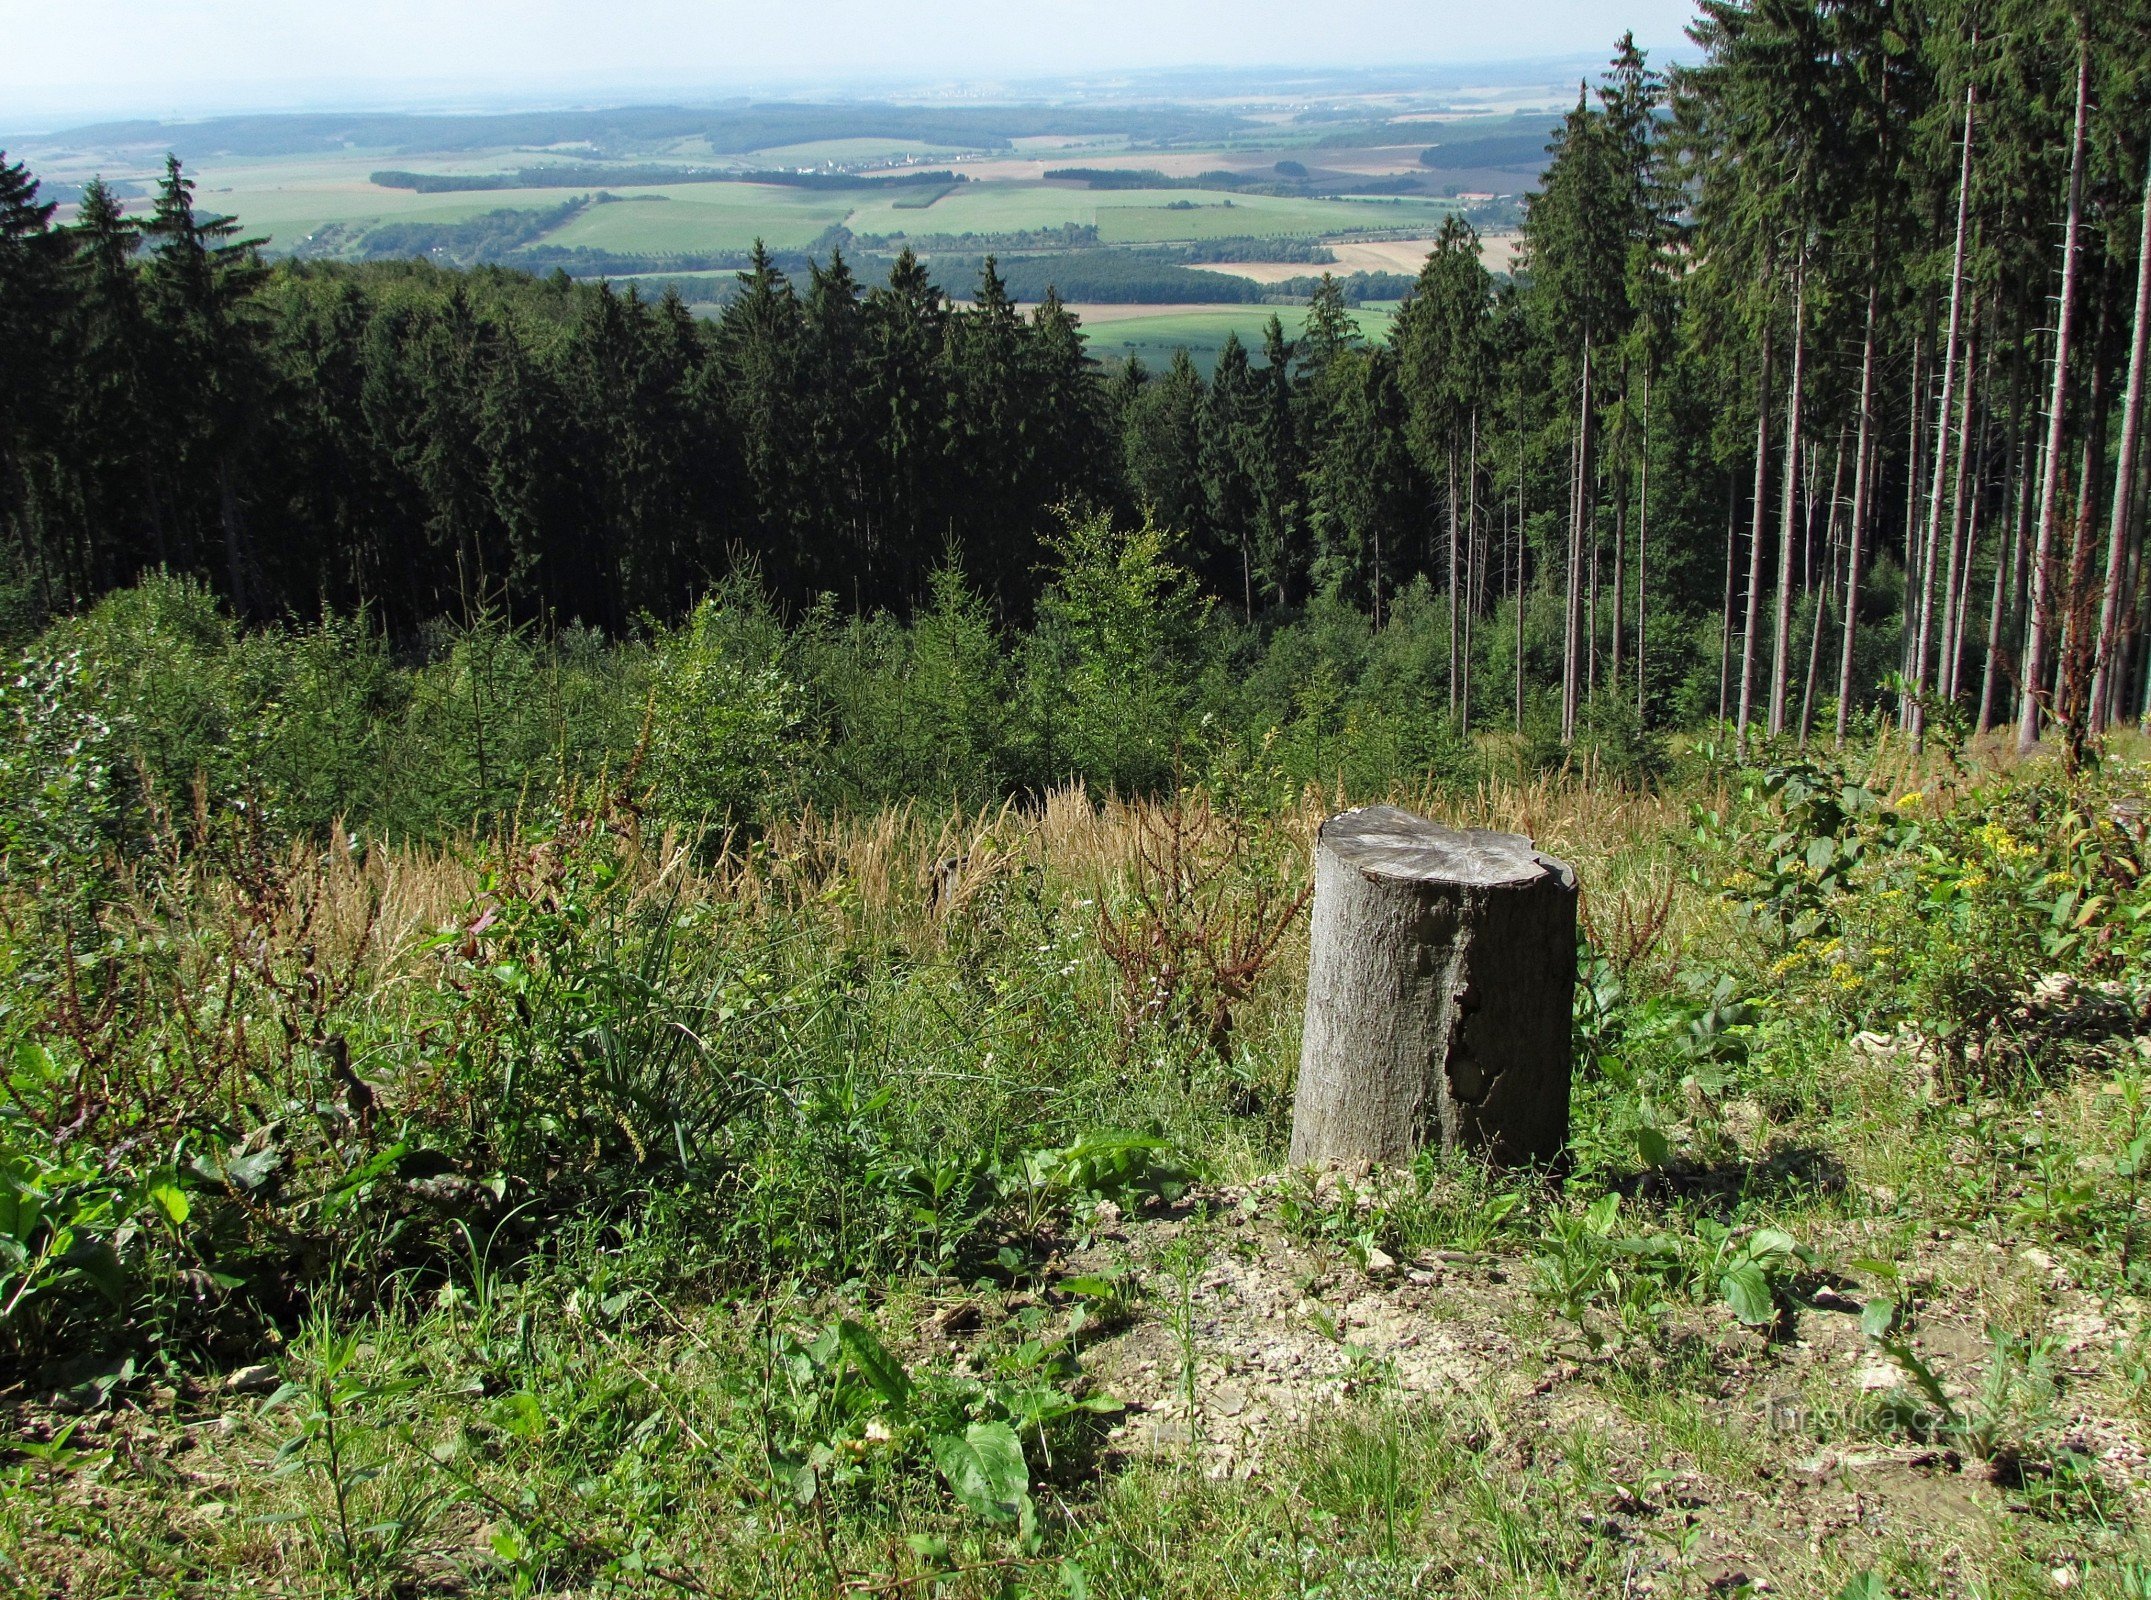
[288, 200]
[1113, 333]
[694, 217]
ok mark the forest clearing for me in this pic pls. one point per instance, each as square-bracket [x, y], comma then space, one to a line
[881, 1207]
[694, 887]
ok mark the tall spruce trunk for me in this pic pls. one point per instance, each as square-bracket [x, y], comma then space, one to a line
[2105, 672]
[1474, 573]
[1572, 666]
[1754, 606]
[1916, 712]
[1590, 602]
[1862, 476]
[1618, 604]
[1781, 635]
[1821, 591]
[1725, 611]
[1452, 577]
[2039, 636]
[2005, 556]
[1643, 553]
[1520, 575]
[2005, 629]
[1971, 509]
[1945, 674]
[1915, 455]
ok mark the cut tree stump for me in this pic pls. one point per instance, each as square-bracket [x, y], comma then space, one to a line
[1440, 985]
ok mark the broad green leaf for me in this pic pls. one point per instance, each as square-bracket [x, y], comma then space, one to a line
[985, 1468]
[1878, 1317]
[1604, 1210]
[172, 1200]
[1769, 1244]
[98, 1262]
[1747, 1291]
[882, 1372]
[1651, 1145]
[519, 1414]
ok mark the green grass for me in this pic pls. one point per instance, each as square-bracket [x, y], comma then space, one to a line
[686, 218]
[621, 1277]
[1202, 333]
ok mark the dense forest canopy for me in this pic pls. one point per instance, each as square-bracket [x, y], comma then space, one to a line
[1818, 386]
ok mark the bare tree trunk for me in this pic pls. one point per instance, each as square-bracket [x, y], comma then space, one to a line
[1725, 612]
[1643, 554]
[1440, 982]
[1862, 457]
[1971, 509]
[1781, 639]
[2006, 543]
[1821, 592]
[2039, 637]
[2119, 522]
[1473, 565]
[2020, 572]
[1571, 676]
[1945, 664]
[1452, 576]
[1620, 586]
[1915, 456]
[1755, 554]
[1519, 565]
[1916, 718]
[1590, 608]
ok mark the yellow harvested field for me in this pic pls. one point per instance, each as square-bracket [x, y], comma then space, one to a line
[1263, 271]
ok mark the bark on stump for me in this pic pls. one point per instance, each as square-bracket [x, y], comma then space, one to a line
[1440, 984]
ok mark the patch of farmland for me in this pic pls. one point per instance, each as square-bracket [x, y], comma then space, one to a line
[1153, 333]
[981, 208]
[1149, 216]
[705, 217]
[853, 152]
[1497, 251]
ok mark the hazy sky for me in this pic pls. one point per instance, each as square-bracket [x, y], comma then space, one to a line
[100, 56]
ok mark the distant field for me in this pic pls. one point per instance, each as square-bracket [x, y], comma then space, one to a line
[1153, 333]
[850, 152]
[1142, 216]
[701, 217]
[287, 199]
[1497, 251]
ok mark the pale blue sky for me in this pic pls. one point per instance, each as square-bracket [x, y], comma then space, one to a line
[100, 56]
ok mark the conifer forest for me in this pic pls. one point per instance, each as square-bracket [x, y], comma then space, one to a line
[654, 936]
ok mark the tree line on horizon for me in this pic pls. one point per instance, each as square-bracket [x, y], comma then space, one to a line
[1820, 371]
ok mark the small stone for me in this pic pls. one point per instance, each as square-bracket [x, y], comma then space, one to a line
[1422, 1277]
[259, 1378]
[1380, 1262]
[1162, 1433]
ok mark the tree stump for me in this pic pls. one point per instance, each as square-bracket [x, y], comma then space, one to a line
[1440, 985]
